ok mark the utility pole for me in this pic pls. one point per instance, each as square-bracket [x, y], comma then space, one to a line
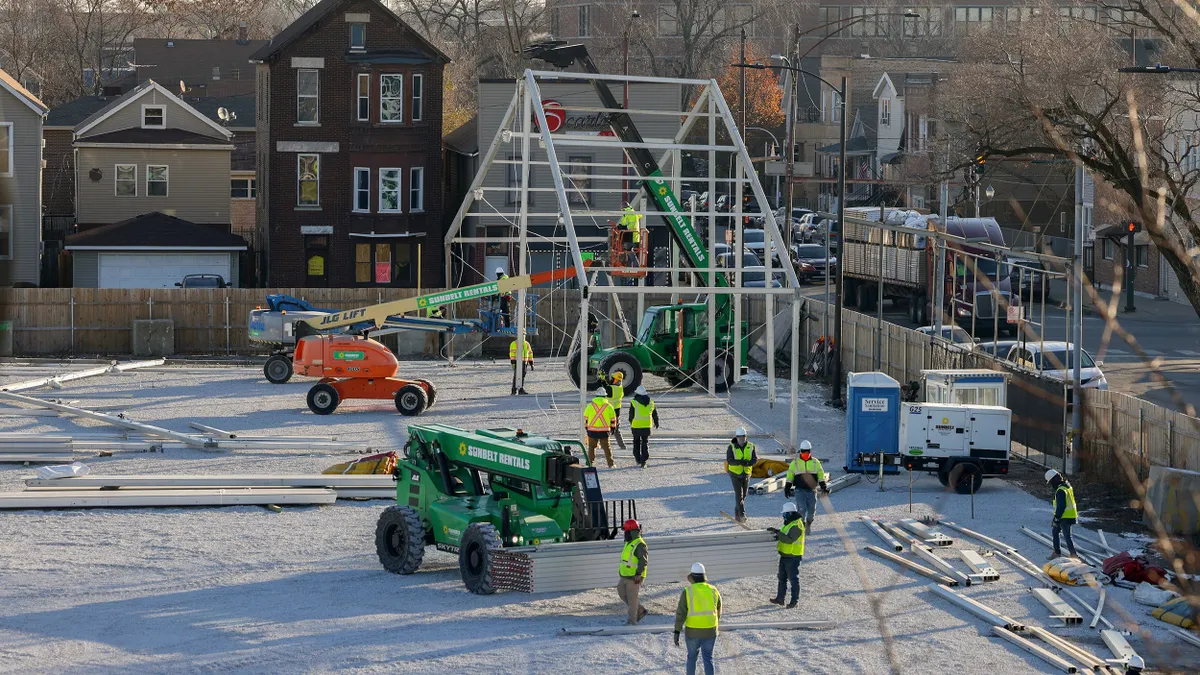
[836, 399]
[743, 85]
[1077, 324]
[1130, 266]
[790, 144]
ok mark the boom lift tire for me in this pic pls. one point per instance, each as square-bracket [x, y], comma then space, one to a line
[400, 539]
[626, 364]
[430, 391]
[278, 369]
[411, 400]
[573, 371]
[323, 399]
[724, 372]
[479, 544]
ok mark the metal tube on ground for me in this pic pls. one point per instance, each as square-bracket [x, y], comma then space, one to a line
[977, 608]
[1099, 607]
[905, 562]
[883, 534]
[212, 430]
[111, 419]
[926, 553]
[975, 535]
[1076, 652]
[1059, 609]
[1048, 657]
[843, 481]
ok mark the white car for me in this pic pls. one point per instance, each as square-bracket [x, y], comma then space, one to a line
[959, 339]
[1056, 361]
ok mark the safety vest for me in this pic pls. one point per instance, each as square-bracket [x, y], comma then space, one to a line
[795, 548]
[701, 605]
[616, 394]
[632, 221]
[512, 352]
[801, 467]
[1070, 510]
[599, 415]
[642, 415]
[435, 313]
[629, 559]
[741, 454]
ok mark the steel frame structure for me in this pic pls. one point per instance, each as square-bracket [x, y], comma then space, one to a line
[524, 122]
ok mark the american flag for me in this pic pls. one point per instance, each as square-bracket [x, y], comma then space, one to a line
[864, 168]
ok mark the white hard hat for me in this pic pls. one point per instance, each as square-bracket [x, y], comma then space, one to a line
[641, 391]
[805, 445]
[788, 507]
[741, 431]
[1050, 475]
[499, 270]
[697, 568]
[601, 391]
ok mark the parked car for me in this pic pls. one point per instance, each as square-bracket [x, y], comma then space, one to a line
[1030, 275]
[755, 241]
[754, 277]
[814, 254]
[726, 260]
[1056, 360]
[202, 281]
[959, 339]
[998, 348]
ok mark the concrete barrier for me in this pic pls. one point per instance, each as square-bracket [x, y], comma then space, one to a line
[1175, 496]
[153, 337]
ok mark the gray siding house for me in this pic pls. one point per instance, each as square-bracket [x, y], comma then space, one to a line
[152, 194]
[21, 115]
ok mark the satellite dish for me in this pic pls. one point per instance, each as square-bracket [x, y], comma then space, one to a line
[182, 87]
[223, 114]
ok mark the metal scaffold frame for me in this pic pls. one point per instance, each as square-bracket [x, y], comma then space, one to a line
[525, 121]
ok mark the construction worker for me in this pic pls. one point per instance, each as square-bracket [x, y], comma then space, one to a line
[631, 223]
[616, 396]
[526, 364]
[633, 571]
[641, 413]
[740, 457]
[433, 339]
[1065, 512]
[505, 300]
[697, 616]
[790, 545]
[599, 420]
[804, 476]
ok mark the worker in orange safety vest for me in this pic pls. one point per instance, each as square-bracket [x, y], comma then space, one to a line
[599, 419]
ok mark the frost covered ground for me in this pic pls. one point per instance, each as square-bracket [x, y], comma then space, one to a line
[243, 589]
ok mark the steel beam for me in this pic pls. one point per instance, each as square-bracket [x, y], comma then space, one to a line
[978, 565]
[1125, 655]
[75, 499]
[843, 481]
[978, 609]
[905, 562]
[184, 481]
[926, 553]
[111, 419]
[1048, 657]
[980, 537]
[883, 534]
[1058, 607]
[927, 535]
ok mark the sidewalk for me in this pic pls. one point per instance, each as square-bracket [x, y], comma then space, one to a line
[1149, 310]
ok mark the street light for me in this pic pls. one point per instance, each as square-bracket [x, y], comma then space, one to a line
[989, 192]
[837, 317]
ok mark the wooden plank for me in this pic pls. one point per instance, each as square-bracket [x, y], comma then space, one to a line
[212, 497]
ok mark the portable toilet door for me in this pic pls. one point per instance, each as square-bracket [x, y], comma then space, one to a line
[872, 420]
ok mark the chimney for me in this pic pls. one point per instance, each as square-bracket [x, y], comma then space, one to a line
[243, 32]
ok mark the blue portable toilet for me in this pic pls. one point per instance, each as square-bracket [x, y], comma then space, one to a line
[872, 420]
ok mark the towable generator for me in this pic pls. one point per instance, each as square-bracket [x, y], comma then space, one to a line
[475, 493]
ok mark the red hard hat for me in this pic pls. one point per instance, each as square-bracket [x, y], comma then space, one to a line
[631, 524]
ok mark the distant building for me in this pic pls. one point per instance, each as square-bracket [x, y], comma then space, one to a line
[204, 67]
[21, 115]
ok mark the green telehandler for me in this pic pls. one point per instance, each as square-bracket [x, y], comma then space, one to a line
[475, 493]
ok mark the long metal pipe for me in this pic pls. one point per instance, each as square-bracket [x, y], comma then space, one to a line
[836, 398]
[905, 562]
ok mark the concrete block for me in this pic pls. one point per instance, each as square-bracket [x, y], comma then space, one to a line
[153, 337]
[1175, 496]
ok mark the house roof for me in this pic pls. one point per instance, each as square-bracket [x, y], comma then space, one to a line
[465, 139]
[157, 136]
[155, 231]
[135, 94]
[10, 83]
[171, 60]
[314, 15]
[70, 114]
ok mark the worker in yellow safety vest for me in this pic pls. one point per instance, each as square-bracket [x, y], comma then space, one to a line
[433, 339]
[804, 476]
[634, 558]
[526, 364]
[790, 544]
[642, 414]
[631, 222]
[1065, 512]
[697, 616]
[740, 459]
[599, 420]
[616, 396]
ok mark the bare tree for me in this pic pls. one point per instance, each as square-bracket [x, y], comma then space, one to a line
[26, 33]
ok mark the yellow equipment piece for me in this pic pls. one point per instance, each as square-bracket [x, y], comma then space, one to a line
[1071, 572]
[1176, 612]
[383, 463]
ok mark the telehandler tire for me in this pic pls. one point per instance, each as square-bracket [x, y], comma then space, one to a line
[724, 372]
[479, 543]
[573, 372]
[278, 369]
[626, 364]
[323, 399]
[411, 400]
[400, 539]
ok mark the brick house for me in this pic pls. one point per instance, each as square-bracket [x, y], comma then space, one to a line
[349, 121]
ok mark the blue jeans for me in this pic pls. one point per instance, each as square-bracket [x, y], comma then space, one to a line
[1063, 525]
[789, 570]
[697, 647]
[806, 504]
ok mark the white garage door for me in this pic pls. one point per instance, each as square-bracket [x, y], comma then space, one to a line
[157, 270]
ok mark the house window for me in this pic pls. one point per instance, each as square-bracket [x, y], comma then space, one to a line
[668, 25]
[126, 180]
[216, 72]
[830, 19]
[418, 96]
[585, 20]
[867, 22]
[243, 188]
[416, 189]
[308, 180]
[1108, 249]
[154, 117]
[235, 73]
[579, 179]
[885, 112]
[364, 97]
[1085, 13]
[927, 23]
[970, 19]
[384, 264]
[362, 190]
[391, 98]
[1142, 255]
[156, 181]
[6, 232]
[308, 95]
[358, 36]
[1019, 14]
[389, 190]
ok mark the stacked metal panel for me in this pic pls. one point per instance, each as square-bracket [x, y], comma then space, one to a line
[583, 565]
[35, 448]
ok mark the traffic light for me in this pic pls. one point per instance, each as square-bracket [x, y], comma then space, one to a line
[980, 160]
[1132, 227]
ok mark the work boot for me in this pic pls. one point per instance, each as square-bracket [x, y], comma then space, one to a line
[1055, 554]
[513, 392]
[776, 601]
[642, 612]
[522, 391]
[792, 604]
[807, 525]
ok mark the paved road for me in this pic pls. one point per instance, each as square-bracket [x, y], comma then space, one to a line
[1169, 333]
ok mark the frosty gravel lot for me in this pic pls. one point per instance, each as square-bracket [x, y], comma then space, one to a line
[243, 589]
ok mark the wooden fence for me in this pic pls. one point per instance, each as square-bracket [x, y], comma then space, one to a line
[1117, 425]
